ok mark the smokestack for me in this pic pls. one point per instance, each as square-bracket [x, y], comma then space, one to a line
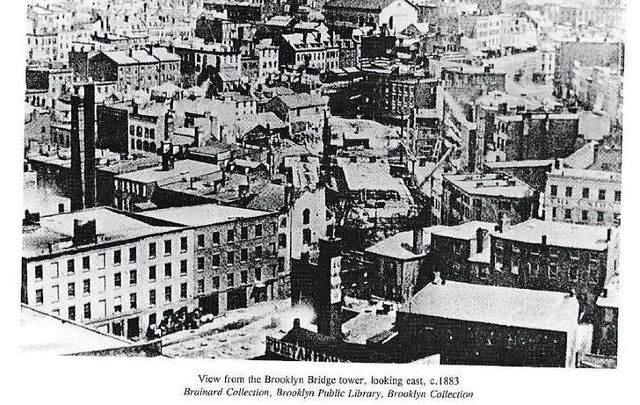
[89, 146]
[77, 155]
[544, 240]
[196, 136]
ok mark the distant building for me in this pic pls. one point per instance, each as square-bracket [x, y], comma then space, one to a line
[486, 197]
[303, 112]
[591, 197]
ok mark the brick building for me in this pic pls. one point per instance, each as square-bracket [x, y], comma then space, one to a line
[486, 197]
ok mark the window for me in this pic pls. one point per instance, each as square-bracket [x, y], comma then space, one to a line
[553, 271]
[244, 233]
[305, 216]
[117, 280]
[152, 250]
[117, 305]
[568, 192]
[617, 196]
[282, 240]
[71, 290]
[101, 260]
[183, 267]
[117, 257]
[258, 252]
[102, 283]
[152, 297]
[86, 287]
[215, 260]
[554, 190]
[230, 280]
[554, 212]
[183, 244]
[167, 270]
[201, 240]
[283, 222]
[201, 286]
[167, 293]
[600, 216]
[39, 296]
[573, 273]
[216, 238]
[585, 192]
[567, 214]
[258, 274]
[152, 273]
[244, 277]
[86, 263]
[167, 247]
[38, 272]
[602, 194]
[230, 258]
[71, 266]
[183, 291]
[306, 236]
[55, 273]
[133, 277]
[71, 313]
[244, 255]
[230, 236]
[87, 311]
[133, 254]
[272, 248]
[585, 215]
[133, 301]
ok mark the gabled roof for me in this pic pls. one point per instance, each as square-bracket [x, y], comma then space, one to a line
[120, 57]
[360, 4]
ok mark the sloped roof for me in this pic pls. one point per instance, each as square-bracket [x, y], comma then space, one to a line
[361, 4]
[302, 100]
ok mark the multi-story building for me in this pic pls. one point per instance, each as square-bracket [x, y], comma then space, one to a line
[235, 255]
[302, 112]
[581, 196]
[473, 76]
[486, 197]
[555, 256]
[268, 59]
[117, 273]
[196, 56]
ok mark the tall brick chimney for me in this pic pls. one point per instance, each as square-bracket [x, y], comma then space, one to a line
[328, 298]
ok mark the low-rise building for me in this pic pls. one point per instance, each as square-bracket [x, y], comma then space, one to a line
[302, 112]
[486, 197]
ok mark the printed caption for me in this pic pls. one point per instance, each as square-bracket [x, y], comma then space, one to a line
[328, 387]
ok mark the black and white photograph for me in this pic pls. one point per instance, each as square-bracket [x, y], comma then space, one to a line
[416, 183]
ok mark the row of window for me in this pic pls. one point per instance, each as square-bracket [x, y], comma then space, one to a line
[231, 256]
[138, 131]
[231, 235]
[116, 259]
[584, 215]
[231, 280]
[586, 193]
[117, 306]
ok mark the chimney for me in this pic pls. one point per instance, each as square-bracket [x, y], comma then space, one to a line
[288, 196]
[296, 323]
[167, 156]
[84, 232]
[502, 108]
[559, 164]
[544, 240]
[437, 279]
[135, 107]
[418, 239]
[304, 37]
[77, 155]
[609, 232]
[328, 288]
[196, 136]
[505, 223]
[89, 146]
[481, 234]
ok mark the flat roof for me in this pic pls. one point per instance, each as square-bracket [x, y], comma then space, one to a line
[372, 176]
[491, 185]
[519, 163]
[561, 234]
[515, 307]
[191, 168]
[466, 230]
[203, 215]
[44, 333]
[587, 174]
[111, 225]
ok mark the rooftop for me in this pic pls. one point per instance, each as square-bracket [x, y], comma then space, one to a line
[561, 234]
[48, 334]
[372, 176]
[491, 185]
[182, 168]
[55, 232]
[399, 245]
[515, 307]
[203, 215]
[588, 174]
[466, 230]
[302, 100]
[519, 163]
